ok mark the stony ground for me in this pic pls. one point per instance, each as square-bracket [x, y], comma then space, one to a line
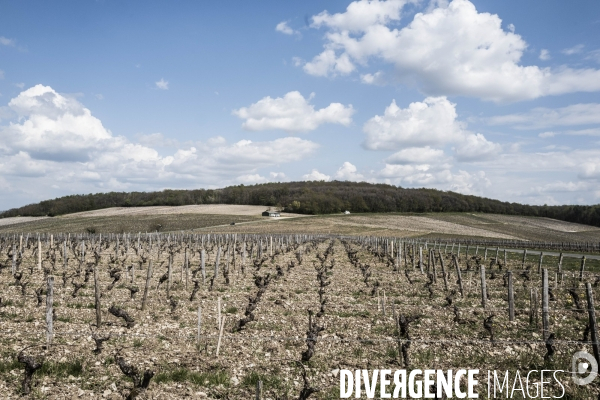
[359, 283]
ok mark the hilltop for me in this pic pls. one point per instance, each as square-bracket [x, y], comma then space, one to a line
[312, 198]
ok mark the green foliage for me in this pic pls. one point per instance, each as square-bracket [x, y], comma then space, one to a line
[311, 198]
[62, 369]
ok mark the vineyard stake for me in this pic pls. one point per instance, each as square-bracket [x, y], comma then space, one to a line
[148, 276]
[592, 320]
[202, 261]
[170, 275]
[545, 303]
[582, 268]
[97, 297]
[443, 271]
[221, 328]
[259, 390]
[483, 287]
[39, 253]
[511, 298]
[560, 261]
[49, 302]
[460, 283]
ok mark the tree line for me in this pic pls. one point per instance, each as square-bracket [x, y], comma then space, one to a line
[312, 198]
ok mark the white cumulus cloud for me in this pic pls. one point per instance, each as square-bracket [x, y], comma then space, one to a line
[315, 175]
[53, 142]
[450, 49]
[292, 113]
[284, 28]
[431, 122]
[348, 172]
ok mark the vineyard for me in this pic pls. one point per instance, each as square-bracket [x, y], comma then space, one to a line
[243, 316]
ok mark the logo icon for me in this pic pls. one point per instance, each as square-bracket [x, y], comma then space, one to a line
[581, 367]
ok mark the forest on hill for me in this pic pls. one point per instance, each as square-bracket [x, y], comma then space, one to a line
[312, 198]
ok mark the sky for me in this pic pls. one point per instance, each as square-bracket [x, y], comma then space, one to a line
[495, 98]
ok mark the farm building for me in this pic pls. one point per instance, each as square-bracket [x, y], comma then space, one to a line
[346, 212]
[271, 214]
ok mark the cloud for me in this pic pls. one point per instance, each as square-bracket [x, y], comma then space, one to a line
[284, 28]
[542, 117]
[292, 113]
[162, 84]
[431, 122]
[416, 155]
[361, 15]
[20, 85]
[7, 42]
[450, 49]
[327, 63]
[475, 147]
[315, 175]
[373, 79]
[545, 55]
[277, 176]
[348, 172]
[53, 139]
[435, 176]
[547, 134]
[573, 50]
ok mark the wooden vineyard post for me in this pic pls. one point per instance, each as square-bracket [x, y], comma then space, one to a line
[148, 276]
[592, 320]
[582, 268]
[432, 262]
[560, 260]
[97, 297]
[504, 258]
[460, 283]
[49, 304]
[170, 275]
[259, 390]
[221, 328]
[545, 303]
[483, 287]
[13, 267]
[421, 259]
[39, 253]
[202, 263]
[533, 307]
[524, 257]
[216, 275]
[186, 266]
[511, 298]
[540, 262]
[443, 271]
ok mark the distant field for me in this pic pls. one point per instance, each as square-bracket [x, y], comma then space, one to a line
[223, 209]
[248, 219]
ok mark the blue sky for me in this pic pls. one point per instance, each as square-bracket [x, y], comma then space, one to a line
[492, 98]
